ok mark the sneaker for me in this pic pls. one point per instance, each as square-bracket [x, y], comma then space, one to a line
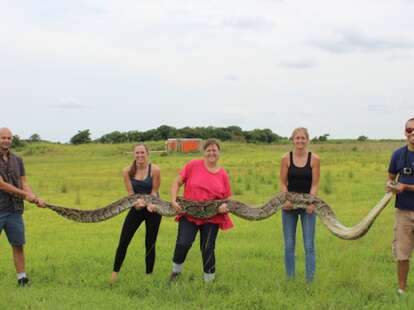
[209, 277]
[174, 276]
[23, 282]
[400, 292]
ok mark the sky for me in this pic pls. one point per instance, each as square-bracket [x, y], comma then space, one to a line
[343, 68]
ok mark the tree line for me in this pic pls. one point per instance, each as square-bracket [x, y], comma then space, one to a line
[164, 132]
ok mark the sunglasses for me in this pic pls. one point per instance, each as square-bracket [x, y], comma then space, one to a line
[409, 130]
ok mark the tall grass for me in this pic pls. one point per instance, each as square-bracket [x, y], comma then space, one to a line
[69, 263]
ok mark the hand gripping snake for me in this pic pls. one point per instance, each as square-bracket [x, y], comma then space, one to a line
[207, 209]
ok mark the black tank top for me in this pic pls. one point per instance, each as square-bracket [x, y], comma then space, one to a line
[300, 178]
[143, 186]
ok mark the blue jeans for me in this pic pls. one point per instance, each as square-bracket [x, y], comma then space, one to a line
[290, 220]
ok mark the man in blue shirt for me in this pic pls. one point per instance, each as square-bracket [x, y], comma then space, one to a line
[401, 169]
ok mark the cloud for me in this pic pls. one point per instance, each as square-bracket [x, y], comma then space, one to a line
[68, 104]
[350, 41]
[400, 57]
[298, 64]
[407, 107]
[248, 23]
[382, 108]
[231, 77]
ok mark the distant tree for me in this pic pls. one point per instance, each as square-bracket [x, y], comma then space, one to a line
[17, 142]
[114, 137]
[83, 136]
[236, 133]
[188, 132]
[163, 132]
[362, 138]
[221, 133]
[166, 132]
[134, 136]
[235, 129]
[151, 135]
[261, 135]
[34, 138]
[323, 137]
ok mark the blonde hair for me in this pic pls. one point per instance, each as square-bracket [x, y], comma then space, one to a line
[300, 129]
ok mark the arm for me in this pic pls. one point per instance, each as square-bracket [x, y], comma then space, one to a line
[25, 185]
[392, 178]
[127, 181]
[393, 169]
[283, 178]
[156, 180]
[175, 187]
[38, 201]
[316, 174]
[23, 193]
[407, 187]
[399, 187]
[223, 208]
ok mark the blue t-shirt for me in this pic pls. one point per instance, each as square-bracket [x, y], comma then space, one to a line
[403, 158]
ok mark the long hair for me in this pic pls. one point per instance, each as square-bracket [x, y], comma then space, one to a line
[133, 169]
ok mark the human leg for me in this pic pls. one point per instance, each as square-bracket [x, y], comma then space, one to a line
[152, 224]
[403, 244]
[289, 221]
[131, 223]
[308, 230]
[403, 266]
[187, 232]
[208, 236]
[13, 225]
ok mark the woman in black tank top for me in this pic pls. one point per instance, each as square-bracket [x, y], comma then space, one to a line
[299, 172]
[141, 177]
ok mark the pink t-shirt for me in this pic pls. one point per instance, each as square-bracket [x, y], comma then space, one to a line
[201, 184]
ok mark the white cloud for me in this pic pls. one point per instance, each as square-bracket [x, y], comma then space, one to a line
[355, 41]
[298, 64]
[68, 104]
[254, 63]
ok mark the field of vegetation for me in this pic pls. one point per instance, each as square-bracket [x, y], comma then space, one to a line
[70, 263]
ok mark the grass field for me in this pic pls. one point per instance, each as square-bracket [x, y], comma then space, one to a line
[69, 263]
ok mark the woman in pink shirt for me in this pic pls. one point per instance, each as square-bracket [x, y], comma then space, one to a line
[203, 180]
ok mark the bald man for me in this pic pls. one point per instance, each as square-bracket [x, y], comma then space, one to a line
[13, 190]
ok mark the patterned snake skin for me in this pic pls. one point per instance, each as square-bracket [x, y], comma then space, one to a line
[209, 208]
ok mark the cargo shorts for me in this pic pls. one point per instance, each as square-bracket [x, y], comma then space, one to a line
[403, 243]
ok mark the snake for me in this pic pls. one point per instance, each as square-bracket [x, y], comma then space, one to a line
[206, 209]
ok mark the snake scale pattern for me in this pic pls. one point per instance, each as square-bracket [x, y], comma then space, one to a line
[209, 208]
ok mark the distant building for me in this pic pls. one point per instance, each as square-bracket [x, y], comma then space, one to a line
[184, 145]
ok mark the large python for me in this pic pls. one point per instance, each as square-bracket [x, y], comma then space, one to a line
[209, 208]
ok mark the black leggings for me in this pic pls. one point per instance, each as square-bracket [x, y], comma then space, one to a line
[187, 232]
[131, 224]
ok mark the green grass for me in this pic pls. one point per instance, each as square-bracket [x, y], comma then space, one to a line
[69, 263]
